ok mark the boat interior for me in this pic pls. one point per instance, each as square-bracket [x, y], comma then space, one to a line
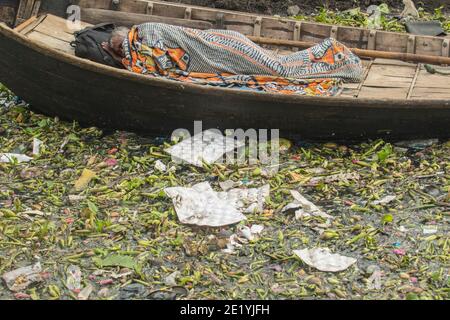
[383, 78]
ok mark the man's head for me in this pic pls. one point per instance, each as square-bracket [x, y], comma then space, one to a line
[116, 40]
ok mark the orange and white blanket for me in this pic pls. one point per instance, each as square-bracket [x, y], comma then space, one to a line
[228, 59]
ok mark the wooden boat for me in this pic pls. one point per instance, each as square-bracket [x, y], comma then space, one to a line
[396, 100]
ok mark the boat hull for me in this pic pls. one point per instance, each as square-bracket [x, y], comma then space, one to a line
[58, 85]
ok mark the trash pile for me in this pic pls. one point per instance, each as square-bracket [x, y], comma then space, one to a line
[86, 214]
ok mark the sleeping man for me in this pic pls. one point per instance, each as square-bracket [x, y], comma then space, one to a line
[229, 59]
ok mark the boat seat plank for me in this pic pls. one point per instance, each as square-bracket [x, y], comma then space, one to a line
[29, 25]
[51, 41]
[367, 92]
[378, 80]
[393, 62]
[61, 23]
[54, 32]
[436, 93]
[387, 76]
[394, 71]
[428, 80]
[431, 86]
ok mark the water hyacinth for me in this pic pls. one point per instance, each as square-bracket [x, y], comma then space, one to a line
[94, 202]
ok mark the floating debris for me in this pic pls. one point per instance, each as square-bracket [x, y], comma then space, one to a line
[385, 200]
[374, 281]
[429, 229]
[304, 207]
[133, 291]
[342, 177]
[250, 233]
[37, 146]
[170, 280]
[160, 166]
[202, 206]
[229, 184]
[399, 252]
[124, 234]
[86, 177]
[85, 293]
[13, 157]
[323, 260]
[73, 281]
[74, 198]
[249, 200]
[22, 278]
[206, 147]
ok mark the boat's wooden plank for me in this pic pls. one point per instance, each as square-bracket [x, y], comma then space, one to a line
[244, 29]
[277, 29]
[430, 93]
[394, 71]
[31, 26]
[428, 80]
[277, 34]
[36, 8]
[349, 93]
[58, 33]
[21, 10]
[425, 45]
[383, 92]
[25, 24]
[314, 33]
[169, 11]
[353, 38]
[98, 4]
[51, 42]
[393, 62]
[378, 80]
[133, 6]
[28, 9]
[391, 42]
[229, 18]
[61, 24]
[392, 76]
[349, 90]
[129, 19]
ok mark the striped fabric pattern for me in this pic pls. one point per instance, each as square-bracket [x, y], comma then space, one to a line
[224, 58]
[226, 51]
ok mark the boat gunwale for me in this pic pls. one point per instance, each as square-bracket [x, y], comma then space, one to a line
[266, 16]
[382, 103]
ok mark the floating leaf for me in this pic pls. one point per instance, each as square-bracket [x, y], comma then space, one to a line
[116, 260]
[387, 218]
[86, 177]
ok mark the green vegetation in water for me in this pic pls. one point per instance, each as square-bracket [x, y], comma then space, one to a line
[358, 18]
[94, 202]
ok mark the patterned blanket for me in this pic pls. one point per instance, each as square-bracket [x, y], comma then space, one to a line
[228, 59]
